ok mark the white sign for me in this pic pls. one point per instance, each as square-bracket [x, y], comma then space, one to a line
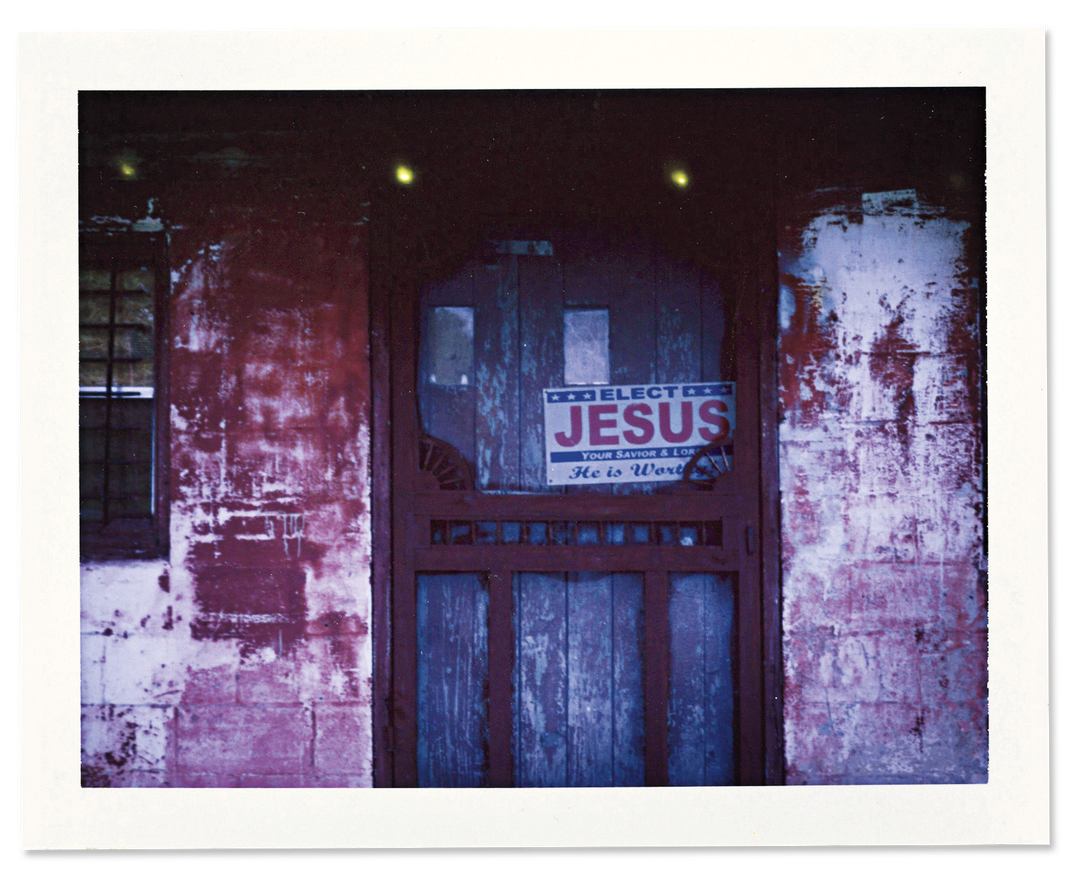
[632, 433]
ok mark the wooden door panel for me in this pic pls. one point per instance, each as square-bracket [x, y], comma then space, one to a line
[666, 324]
[452, 677]
[540, 701]
[679, 316]
[700, 709]
[540, 332]
[578, 686]
[496, 343]
[577, 635]
[717, 352]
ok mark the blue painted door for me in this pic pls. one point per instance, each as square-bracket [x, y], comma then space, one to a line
[565, 636]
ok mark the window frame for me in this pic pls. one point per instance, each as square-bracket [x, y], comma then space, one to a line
[116, 541]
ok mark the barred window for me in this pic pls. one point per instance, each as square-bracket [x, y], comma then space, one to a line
[122, 412]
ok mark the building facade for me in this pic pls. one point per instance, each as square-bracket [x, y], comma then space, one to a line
[323, 544]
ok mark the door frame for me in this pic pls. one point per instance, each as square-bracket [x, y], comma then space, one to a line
[393, 259]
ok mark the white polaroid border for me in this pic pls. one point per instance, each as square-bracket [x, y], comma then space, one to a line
[1013, 807]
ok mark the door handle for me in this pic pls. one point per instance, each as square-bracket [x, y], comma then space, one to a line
[749, 539]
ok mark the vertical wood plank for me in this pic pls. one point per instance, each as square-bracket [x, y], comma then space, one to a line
[541, 693]
[540, 330]
[590, 664]
[515, 679]
[686, 699]
[718, 679]
[590, 270]
[713, 337]
[593, 275]
[496, 360]
[633, 338]
[627, 705]
[680, 322]
[701, 707]
[452, 674]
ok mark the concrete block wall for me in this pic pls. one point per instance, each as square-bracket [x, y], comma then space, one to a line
[243, 658]
[881, 463]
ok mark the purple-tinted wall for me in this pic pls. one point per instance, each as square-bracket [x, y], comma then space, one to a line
[244, 656]
[881, 456]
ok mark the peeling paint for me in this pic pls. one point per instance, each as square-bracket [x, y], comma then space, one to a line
[244, 658]
[226, 651]
[880, 455]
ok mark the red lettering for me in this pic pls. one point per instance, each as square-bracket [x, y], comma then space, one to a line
[632, 416]
[722, 424]
[575, 429]
[686, 422]
[597, 425]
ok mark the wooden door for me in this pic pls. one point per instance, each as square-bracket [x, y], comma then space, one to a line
[589, 634]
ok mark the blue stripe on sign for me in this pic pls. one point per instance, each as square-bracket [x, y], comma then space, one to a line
[697, 390]
[593, 455]
[571, 396]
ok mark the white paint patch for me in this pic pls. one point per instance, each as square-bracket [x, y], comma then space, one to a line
[881, 201]
[884, 268]
[787, 307]
[246, 617]
[293, 530]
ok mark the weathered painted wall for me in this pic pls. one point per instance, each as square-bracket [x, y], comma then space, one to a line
[881, 456]
[244, 658]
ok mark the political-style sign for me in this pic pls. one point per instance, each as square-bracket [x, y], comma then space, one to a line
[633, 433]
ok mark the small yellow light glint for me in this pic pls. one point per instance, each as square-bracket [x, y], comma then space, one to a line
[679, 178]
[404, 175]
[127, 170]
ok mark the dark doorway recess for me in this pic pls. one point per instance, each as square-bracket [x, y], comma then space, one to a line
[533, 634]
